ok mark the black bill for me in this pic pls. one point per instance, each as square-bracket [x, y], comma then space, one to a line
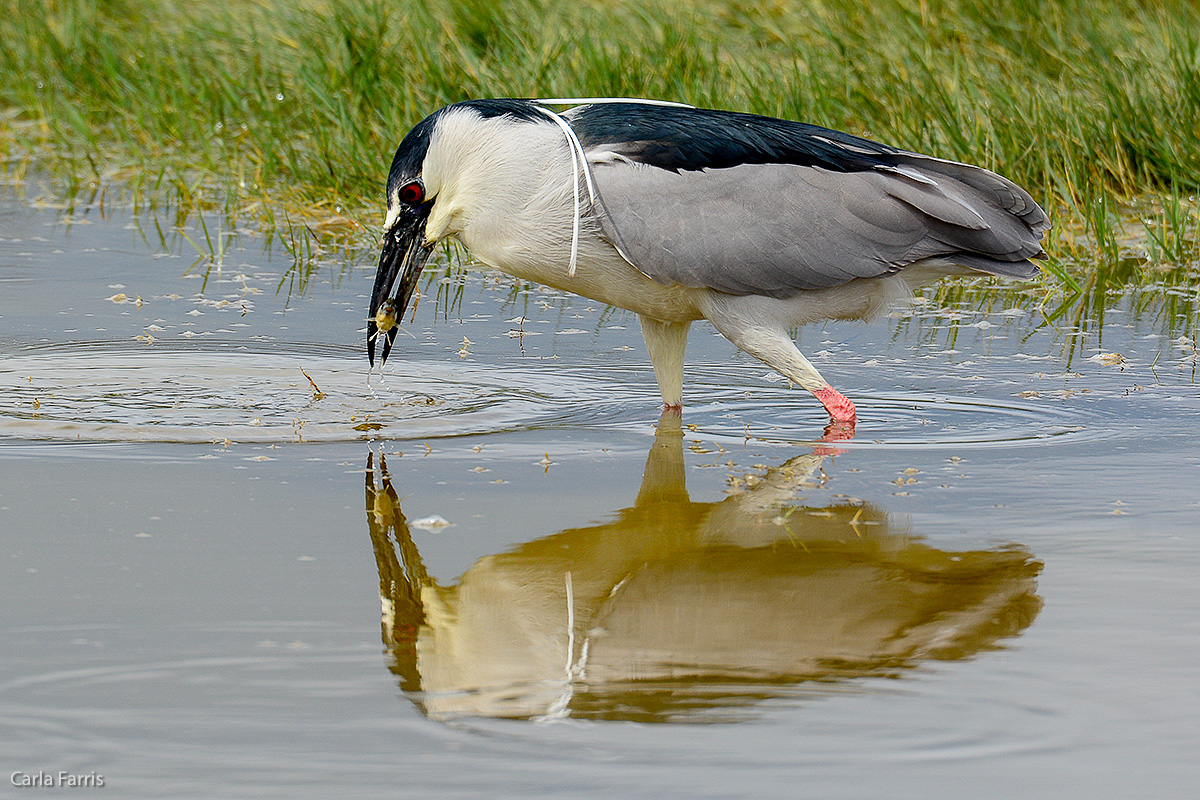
[400, 263]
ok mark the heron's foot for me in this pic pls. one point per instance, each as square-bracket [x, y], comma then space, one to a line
[840, 409]
[841, 419]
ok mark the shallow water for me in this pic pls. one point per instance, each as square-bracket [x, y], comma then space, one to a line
[204, 504]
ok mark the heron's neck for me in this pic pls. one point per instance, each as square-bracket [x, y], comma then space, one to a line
[503, 189]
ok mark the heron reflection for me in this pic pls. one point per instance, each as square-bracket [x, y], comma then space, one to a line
[677, 609]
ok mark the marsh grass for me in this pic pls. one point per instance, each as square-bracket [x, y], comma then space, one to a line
[287, 113]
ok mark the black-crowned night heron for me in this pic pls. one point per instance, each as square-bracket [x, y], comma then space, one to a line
[758, 225]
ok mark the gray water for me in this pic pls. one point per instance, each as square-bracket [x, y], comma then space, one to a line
[205, 502]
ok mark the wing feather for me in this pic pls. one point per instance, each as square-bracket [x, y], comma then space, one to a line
[778, 229]
[756, 205]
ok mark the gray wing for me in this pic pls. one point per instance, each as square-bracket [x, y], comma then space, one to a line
[777, 229]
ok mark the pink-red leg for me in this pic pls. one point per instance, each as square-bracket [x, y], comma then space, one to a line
[837, 404]
[841, 414]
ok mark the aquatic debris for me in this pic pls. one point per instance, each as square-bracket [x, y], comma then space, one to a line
[316, 390]
[433, 524]
[519, 331]
[1109, 360]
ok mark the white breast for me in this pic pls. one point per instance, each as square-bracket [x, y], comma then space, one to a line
[503, 188]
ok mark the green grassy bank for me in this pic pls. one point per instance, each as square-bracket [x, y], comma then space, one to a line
[270, 106]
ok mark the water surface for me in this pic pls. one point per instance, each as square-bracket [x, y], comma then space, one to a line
[205, 504]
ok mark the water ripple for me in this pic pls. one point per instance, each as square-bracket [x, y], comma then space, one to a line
[236, 391]
[258, 392]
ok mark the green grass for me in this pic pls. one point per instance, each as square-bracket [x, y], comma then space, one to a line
[289, 112]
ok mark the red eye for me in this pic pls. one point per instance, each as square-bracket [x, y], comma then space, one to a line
[412, 192]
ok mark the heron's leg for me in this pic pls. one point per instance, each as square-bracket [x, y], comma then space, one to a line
[666, 342]
[775, 348]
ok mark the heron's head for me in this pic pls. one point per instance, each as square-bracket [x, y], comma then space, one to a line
[405, 248]
[442, 167]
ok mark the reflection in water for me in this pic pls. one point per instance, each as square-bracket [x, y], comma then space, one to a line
[681, 610]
